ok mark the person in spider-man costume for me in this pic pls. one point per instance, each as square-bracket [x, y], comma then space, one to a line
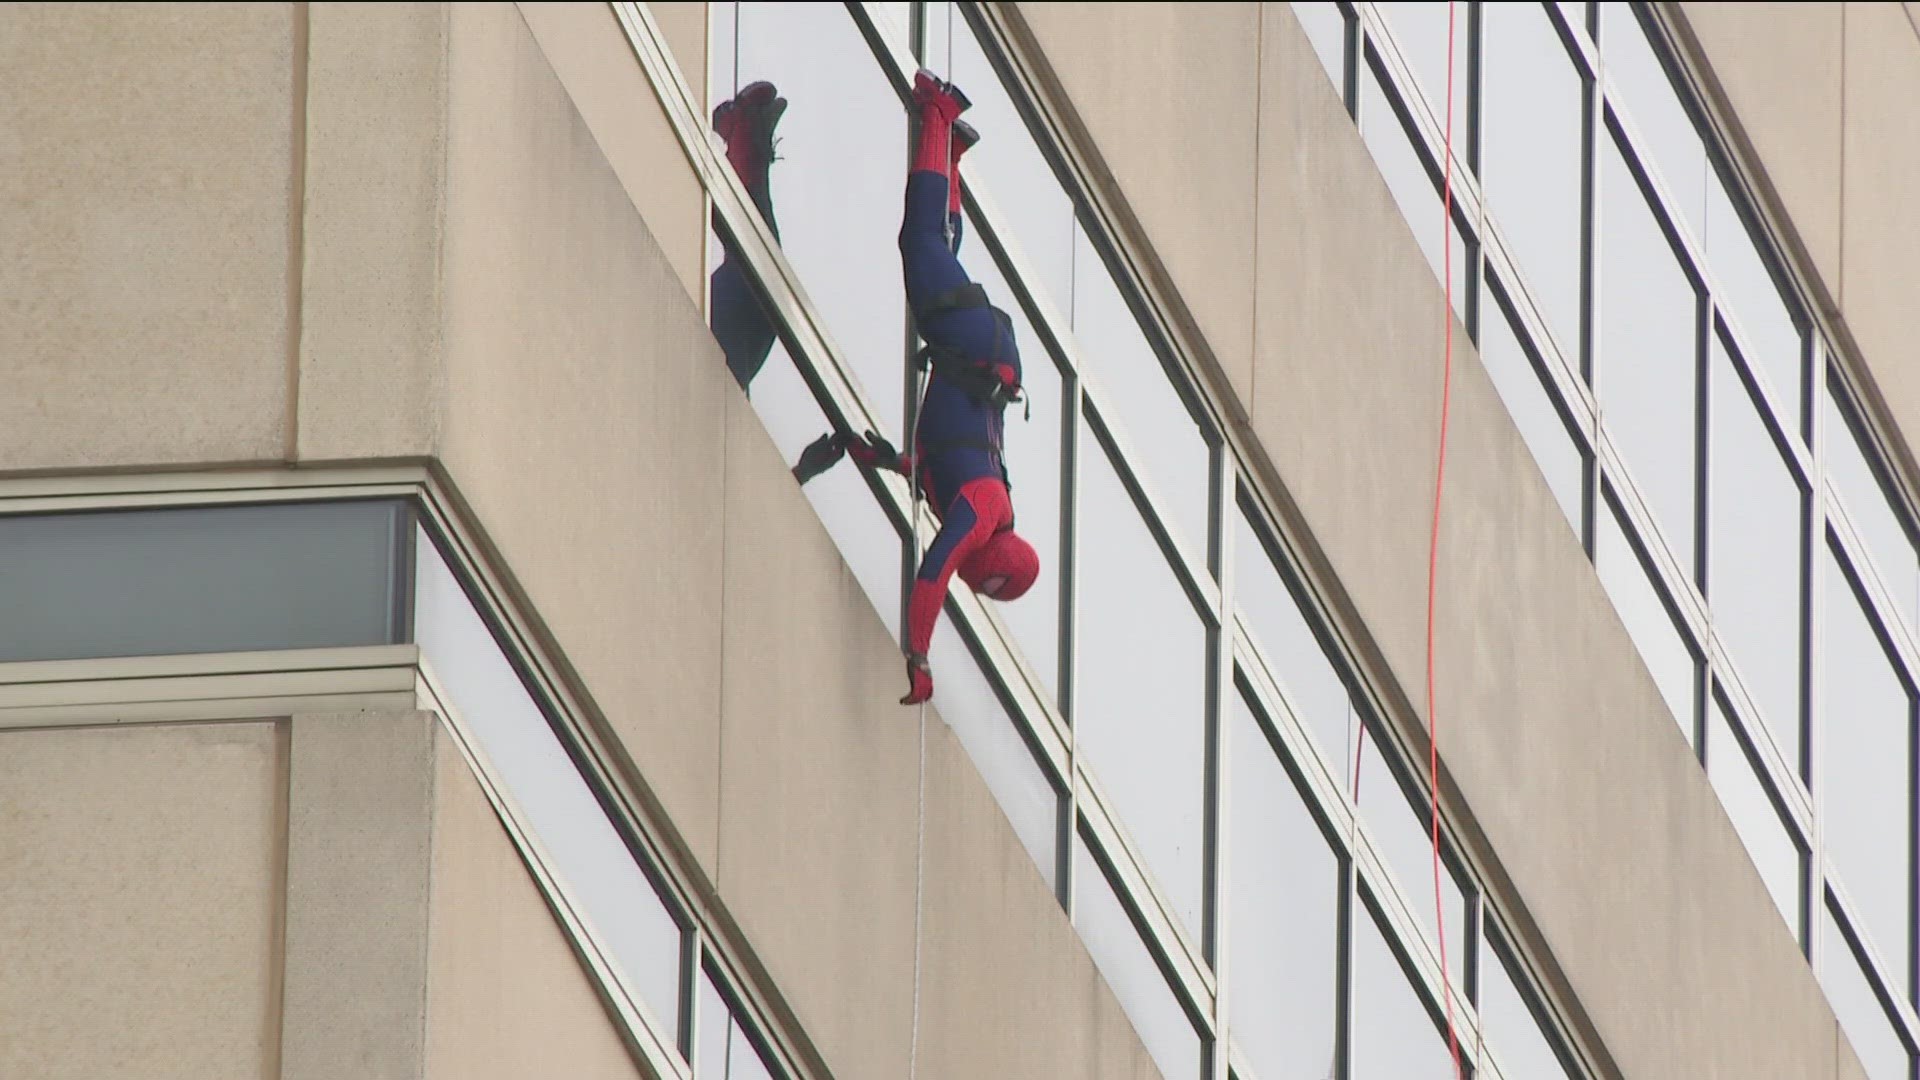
[959, 451]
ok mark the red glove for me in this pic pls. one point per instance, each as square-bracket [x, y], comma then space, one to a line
[877, 453]
[919, 680]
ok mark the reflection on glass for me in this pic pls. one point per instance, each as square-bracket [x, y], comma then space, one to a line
[1871, 511]
[973, 710]
[1131, 970]
[1531, 404]
[839, 158]
[1168, 448]
[1033, 464]
[1871, 1031]
[1753, 552]
[1645, 349]
[1141, 694]
[1326, 27]
[1866, 753]
[1661, 644]
[1392, 1034]
[1420, 31]
[1035, 211]
[1654, 106]
[1411, 185]
[1302, 667]
[199, 580]
[1530, 156]
[1284, 912]
[600, 873]
[1748, 291]
[1759, 824]
[1402, 831]
[725, 1050]
[1516, 1032]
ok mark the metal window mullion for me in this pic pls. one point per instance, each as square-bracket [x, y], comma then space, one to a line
[1780, 772]
[1880, 969]
[1221, 637]
[1879, 598]
[1192, 575]
[1639, 520]
[1069, 640]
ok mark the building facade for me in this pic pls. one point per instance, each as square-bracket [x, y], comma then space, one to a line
[421, 662]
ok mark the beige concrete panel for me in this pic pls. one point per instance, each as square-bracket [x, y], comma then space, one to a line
[1164, 93]
[1580, 783]
[370, 349]
[589, 51]
[990, 924]
[1778, 68]
[1882, 218]
[144, 202]
[584, 424]
[139, 902]
[818, 771]
[359, 825]
[684, 24]
[506, 997]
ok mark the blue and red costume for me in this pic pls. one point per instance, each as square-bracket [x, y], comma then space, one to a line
[958, 453]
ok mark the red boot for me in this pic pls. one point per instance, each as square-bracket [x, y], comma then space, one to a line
[938, 105]
[963, 138]
[746, 122]
[919, 680]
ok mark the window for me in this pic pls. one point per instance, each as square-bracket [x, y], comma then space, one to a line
[1402, 829]
[1409, 181]
[1755, 817]
[1866, 758]
[1755, 529]
[1648, 622]
[203, 580]
[1285, 913]
[1140, 704]
[1749, 292]
[1326, 27]
[1131, 970]
[1850, 468]
[1420, 29]
[1393, 1035]
[1645, 351]
[1654, 106]
[723, 1049]
[1288, 640]
[1509, 1020]
[1862, 1015]
[1531, 403]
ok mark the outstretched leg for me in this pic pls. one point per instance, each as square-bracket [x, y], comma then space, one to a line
[739, 318]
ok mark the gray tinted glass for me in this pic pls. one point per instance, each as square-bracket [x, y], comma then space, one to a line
[1661, 644]
[599, 871]
[1755, 538]
[1749, 294]
[214, 579]
[1744, 794]
[1402, 831]
[1409, 182]
[1393, 1036]
[1510, 1025]
[1301, 666]
[1284, 914]
[1646, 352]
[1326, 28]
[1530, 154]
[1131, 970]
[1532, 407]
[1866, 754]
[1864, 1020]
[1649, 100]
[1871, 511]
[1141, 692]
[1420, 31]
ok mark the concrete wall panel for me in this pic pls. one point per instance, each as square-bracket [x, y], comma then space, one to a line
[139, 901]
[359, 808]
[371, 381]
[585, 411]
[506, 998]
[1166, 95]
[144, 202]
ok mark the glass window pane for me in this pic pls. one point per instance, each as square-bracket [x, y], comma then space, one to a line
[726, 1051]
[1131, 970]
[1393, 1034]
[1402, 830]
[1532, 407]
[1140, 709]
[207, 580]
[1742, 791]
[1654, 107]
[601, 873]
[1866, 754]
[1035, 212]
[837, 179]
[1871, 511]
[1326, 27]
[1645, 345]
[1661, 644]
[1171, 454]
[1530, 156]
[1871, 1031]
[1749, 293]
[1420, 31]
[969, 704]
[1033, 466]
[1411, 185]
[1516, 1032]
[1754, 553]
[1284, 914]
[1302, 667]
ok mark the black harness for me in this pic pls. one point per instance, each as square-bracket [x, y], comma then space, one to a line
[973, 376]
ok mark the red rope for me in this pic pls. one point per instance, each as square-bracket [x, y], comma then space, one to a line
[1433, 549]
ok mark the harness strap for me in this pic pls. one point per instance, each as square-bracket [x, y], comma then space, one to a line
[969, 295]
